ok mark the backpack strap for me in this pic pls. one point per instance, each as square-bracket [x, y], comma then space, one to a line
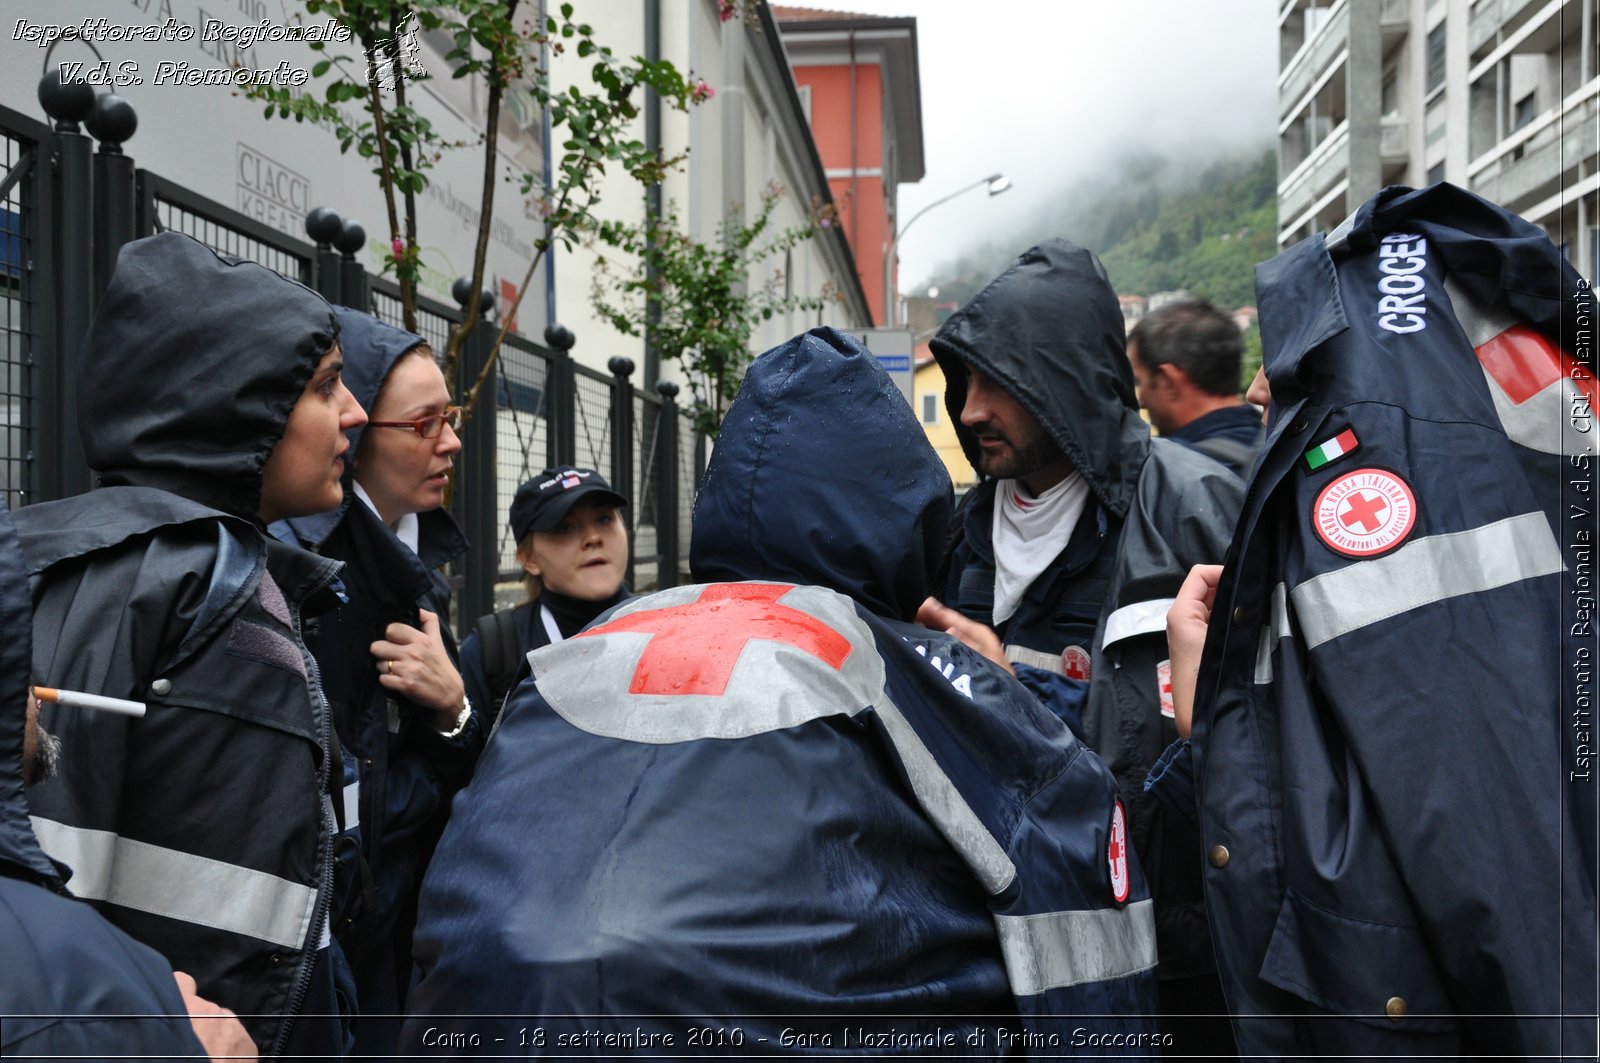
[502, 657]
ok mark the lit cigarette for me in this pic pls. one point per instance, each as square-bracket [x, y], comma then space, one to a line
[77, 699]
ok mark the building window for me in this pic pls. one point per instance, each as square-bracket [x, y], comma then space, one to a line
[930, 409]
[804, 92]
[1435, 173]
[1389, 95]
[1435, 58]
[1526, 109]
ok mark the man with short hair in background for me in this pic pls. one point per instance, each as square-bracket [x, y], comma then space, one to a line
[1185, 359]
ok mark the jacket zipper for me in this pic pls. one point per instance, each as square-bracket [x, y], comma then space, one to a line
[319, 916]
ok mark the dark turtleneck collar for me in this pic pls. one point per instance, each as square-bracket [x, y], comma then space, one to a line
[574, 614]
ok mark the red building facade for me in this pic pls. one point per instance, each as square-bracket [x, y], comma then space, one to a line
[858, 77]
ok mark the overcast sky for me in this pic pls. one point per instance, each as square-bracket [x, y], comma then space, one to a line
[1042, 90]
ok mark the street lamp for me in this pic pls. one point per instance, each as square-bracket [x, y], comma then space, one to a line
[997, 183]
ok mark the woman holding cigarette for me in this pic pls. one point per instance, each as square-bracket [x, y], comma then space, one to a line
[388, 661]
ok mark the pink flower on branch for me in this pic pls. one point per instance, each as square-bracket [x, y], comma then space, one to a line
[701, 92]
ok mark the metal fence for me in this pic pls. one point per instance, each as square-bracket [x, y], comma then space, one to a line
[21, 150]
[66, 209]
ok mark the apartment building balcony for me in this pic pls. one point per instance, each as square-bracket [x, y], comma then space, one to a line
[1531, 163]
[1329, 162]
[1314, 57]
[1394, 20]
[1394, 138]
[1490, 17]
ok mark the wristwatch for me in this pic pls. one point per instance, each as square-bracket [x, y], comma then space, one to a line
[461, 720]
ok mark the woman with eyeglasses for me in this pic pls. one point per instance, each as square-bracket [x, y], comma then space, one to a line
[387, 659]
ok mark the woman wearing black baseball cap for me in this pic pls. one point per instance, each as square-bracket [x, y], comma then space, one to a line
[573, 547]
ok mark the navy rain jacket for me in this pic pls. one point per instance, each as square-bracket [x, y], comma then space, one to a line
[768, 803]
[71, 984]
[205, 828]
[1394, 719]
[399, 772]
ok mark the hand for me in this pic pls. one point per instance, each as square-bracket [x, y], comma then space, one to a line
[413, 664]
[1187, 623]
[221, 1033]
[939, 617]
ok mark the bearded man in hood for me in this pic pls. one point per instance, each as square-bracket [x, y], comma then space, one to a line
[1073, 546]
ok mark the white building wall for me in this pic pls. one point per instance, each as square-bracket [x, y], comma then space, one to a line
[736, 61]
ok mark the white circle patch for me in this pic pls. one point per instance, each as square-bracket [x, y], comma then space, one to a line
[1076, 663]
[1366, 512]
[1117, 853]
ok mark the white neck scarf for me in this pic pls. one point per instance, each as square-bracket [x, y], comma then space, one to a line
[405, 529]
[1029, 533]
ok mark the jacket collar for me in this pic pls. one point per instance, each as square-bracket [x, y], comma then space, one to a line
[1300, 309]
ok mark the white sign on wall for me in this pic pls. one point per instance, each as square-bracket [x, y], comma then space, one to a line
[893, 349]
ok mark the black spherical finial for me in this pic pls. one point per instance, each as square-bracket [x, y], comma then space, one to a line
[68, 102]
[620, 366]
[560, 337]
[461, 291]
[667, 389]
[351, 238]
[324, 225]
[485, 301]
[112, 123]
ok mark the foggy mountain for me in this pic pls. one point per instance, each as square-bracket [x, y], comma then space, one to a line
[1157, 224]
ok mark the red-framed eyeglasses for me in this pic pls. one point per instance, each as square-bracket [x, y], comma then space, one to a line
[426, 427]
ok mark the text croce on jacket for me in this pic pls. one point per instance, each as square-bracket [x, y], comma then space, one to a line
[1394, 718]
[767, 806]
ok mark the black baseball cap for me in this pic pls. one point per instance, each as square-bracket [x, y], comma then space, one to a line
[544, 501]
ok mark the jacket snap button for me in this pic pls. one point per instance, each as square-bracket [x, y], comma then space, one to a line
[1218, 855]
[161, 686]
[1396, 1008]
[1299, 426]
[1238, 614]
[275, 960]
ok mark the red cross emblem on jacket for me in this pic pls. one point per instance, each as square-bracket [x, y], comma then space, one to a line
[694, 647]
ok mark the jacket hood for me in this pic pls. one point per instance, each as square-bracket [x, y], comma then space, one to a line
[19, 850]
[370, 348]
[1049, 331]
[822, 476]
[191, 368]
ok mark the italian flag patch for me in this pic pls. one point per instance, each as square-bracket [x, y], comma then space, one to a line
[1335, 448]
